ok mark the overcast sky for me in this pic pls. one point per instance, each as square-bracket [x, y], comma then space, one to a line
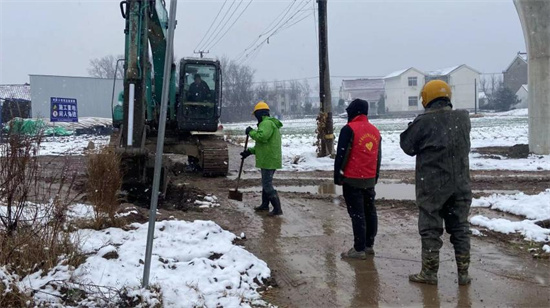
[366, 38]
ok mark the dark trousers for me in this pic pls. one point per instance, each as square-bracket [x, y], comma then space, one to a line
[267, 182]
[454, 212]
[361, 209]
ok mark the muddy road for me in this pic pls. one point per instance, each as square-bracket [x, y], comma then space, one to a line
[303, 246]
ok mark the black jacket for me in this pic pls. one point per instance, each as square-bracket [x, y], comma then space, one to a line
[440, 140]
[199, 93]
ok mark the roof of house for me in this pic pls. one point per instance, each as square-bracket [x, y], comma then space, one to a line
[520, 55]
[401, 72]
[16, 91]
[363, 84]
[449, 70]
[369, 89]
[525, 87]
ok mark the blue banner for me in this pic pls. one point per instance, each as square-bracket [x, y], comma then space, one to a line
[63, 110]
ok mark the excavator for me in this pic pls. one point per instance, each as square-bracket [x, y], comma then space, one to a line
[195, 100]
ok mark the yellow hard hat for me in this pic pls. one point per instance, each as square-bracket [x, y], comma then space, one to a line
[435, 89]
[261, 105]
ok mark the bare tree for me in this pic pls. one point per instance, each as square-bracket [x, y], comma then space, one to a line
[237, 89]
[105, 67]
[262, 91]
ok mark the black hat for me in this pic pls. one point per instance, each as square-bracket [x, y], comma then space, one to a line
[357, 107]
[197, 76]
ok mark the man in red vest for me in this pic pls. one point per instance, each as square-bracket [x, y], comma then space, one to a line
[357, 167]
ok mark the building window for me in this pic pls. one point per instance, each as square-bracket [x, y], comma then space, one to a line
[413, 82]
[413, 101]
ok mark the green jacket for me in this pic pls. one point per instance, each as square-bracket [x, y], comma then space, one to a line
[268, 144]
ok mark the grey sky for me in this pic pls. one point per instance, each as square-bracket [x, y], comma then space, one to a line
[366, 38]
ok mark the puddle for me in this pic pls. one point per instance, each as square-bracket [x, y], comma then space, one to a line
[394, 191]
[496, 191]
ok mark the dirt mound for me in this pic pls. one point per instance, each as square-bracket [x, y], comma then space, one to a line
[515, 151]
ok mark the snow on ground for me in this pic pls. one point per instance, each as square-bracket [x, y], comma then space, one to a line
[536, 207]
[527, 228]
[70, 145]
[498, 129]
[532, 207]
[195, 264]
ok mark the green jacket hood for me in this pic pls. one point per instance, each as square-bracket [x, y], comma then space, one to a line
[275, 121]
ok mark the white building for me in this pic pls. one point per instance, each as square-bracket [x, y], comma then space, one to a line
[522, 94]
[402, 90]
[462, 79]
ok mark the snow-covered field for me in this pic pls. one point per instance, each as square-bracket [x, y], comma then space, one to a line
[499, 129]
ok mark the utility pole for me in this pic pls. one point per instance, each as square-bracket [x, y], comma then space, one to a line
[325, 136]
[201, 53]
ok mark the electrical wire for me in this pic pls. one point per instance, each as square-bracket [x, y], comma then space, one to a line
[208, 43]
[273, 33]
[231, 26]
[268, 29]
[221, 20]
[211, 24]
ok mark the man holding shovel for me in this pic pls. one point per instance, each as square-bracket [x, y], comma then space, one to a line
[268, 155]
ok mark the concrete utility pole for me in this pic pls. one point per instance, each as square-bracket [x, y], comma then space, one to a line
[325, 131]
[534, 16]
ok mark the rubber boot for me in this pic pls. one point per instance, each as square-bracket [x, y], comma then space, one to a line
[430, 266]
[276, 202]
[264, 207]
[462, 265]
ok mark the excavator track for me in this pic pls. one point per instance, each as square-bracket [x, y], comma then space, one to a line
[214, 156]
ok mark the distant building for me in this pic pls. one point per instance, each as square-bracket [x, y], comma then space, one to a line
[369, 89]
[462, 79]
[15, 101]
[402, 89]
[515, 75]
[94, 95]
[522, 94]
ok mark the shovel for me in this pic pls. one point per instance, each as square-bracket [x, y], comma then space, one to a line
[236, 194]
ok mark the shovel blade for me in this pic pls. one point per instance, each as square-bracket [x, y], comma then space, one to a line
[235, 195]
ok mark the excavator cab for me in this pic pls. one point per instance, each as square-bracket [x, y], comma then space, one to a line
[199, 98]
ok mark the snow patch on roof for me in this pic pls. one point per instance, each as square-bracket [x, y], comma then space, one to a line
[15, 91]
[397, 73]
[444, 71]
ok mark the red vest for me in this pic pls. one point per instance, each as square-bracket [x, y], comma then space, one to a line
[363, 155]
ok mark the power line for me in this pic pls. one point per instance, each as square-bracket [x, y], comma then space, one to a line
[211, 24]
[231, 26]
[274, 32]
[277, 19]
[221, 20]
[225, 24]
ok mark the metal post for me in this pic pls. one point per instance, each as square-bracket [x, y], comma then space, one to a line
[325, 115]
[475, 96]
[160, 141]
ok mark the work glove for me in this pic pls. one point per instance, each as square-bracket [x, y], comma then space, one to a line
[245, 154]
[247, 130]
